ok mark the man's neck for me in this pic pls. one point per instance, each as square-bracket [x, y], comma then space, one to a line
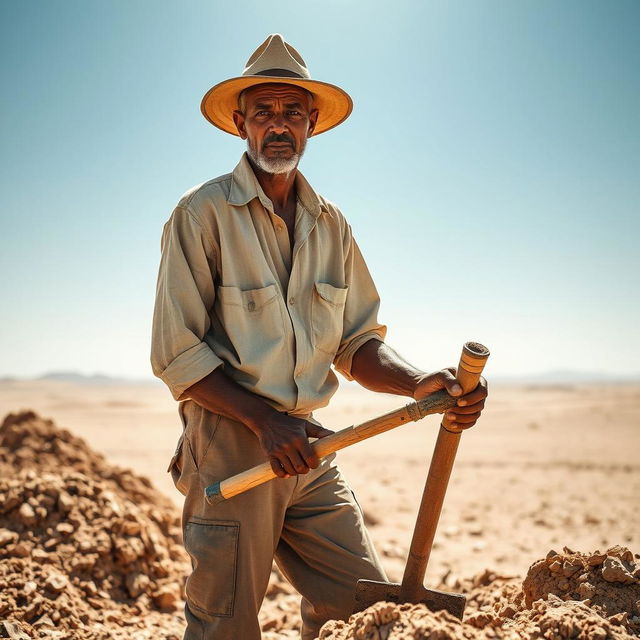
[280, 188]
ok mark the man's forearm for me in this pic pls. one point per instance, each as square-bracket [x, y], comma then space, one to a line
[220, 394]
[284, 439]
[378, 367]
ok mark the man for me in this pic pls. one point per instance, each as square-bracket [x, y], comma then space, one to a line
[261, 289]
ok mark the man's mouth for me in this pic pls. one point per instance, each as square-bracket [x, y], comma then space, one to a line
[278, 143]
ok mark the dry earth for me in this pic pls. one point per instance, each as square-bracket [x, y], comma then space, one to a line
[545, 468]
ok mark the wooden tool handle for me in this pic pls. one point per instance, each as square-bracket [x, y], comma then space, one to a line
[472, 361]
[437, 402]
[468, 373]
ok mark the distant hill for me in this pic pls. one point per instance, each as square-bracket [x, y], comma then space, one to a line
[96, 378]
[559, 376]
[565, 376]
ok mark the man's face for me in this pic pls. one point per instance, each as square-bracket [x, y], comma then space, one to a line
[276, 122]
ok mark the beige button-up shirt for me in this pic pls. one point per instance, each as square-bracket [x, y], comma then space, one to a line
[232, 292]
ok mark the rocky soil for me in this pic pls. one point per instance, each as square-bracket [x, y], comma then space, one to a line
[594, 596]
[89, 551]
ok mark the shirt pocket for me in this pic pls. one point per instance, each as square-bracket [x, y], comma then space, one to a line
[327, 314]
[252, 320]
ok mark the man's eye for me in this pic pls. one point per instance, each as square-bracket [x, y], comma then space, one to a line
[262, 113]
[294, 113]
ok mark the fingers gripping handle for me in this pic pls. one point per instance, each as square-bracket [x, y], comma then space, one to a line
[472, 360]
[437, 402]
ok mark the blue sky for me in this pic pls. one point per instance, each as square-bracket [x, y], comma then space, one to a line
[490, 169]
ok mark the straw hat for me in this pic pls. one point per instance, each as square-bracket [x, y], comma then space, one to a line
[275, 61]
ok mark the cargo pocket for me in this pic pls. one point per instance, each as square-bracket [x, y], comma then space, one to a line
[213, 548]
[327, 313]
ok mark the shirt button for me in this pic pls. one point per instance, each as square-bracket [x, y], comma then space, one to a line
[251, 306]
[291, 301]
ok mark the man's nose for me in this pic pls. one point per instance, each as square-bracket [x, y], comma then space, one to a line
[278, 123]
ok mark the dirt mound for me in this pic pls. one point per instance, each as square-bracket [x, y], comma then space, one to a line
[552, 602]
[609, 582]
[89, 551]
[28, 441]
[85, 547]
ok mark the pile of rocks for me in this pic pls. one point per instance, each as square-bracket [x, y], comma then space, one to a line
[90, 551]
[566, 595]
[84, 546]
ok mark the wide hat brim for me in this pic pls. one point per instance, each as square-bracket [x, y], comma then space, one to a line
[334, 105]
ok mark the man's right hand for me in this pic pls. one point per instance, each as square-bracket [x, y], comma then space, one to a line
[285, 440]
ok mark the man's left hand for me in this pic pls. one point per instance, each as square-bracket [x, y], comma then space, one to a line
[467, 411]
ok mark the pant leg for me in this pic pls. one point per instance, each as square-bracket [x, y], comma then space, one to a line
[231, 544]
[325, 548]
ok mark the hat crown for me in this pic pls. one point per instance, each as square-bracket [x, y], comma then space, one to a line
[276, 56]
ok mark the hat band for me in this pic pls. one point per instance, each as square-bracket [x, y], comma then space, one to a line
[282, 73]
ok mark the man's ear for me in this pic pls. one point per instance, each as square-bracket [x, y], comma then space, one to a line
[313, 118]
[238, 120]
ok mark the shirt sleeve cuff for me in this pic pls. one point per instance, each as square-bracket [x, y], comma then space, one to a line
[189, 367]
[344, 360]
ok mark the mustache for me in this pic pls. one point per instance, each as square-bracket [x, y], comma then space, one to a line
[278, 137]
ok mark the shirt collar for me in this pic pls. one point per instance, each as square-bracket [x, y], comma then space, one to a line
[245, 187]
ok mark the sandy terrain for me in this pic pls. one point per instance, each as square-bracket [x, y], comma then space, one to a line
[546, 467]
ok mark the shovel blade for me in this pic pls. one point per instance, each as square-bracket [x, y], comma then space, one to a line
[370, 591]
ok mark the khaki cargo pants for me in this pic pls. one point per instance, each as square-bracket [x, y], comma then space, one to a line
[310, 523]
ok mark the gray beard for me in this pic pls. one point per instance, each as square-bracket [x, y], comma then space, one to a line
[274, 165]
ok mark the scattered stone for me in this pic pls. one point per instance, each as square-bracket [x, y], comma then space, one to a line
[614, 571]
[569, 568]
[65, 528]
[166, 598]
[136, 583]
[586, 590]
[56, 582]
[21, 550]
[44, 621]
[595, 559]
[12, 630]
[556, 566]
[65, 502]
[7, 537]
[27, 514]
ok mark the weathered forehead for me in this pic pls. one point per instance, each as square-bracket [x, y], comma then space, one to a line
[276, 91]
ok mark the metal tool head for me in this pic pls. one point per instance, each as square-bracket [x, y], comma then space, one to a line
[369, 592]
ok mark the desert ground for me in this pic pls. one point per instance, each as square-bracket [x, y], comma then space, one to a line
[546, 467]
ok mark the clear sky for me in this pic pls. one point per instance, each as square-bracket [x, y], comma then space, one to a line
[490, 169]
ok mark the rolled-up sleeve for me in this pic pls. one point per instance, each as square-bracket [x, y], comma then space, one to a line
[360, 323]
[185, 293]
